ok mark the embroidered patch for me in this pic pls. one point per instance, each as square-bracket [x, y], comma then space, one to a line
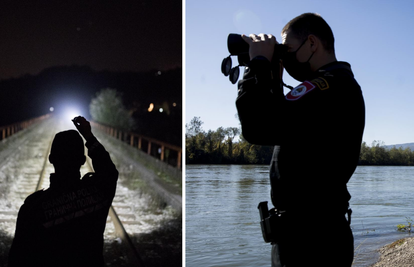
[300, 91]
[321, 83]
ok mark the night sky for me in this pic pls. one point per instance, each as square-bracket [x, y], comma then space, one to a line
[118, 35]
[61, 53]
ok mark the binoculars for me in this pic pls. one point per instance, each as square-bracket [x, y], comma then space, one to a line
[238, 47]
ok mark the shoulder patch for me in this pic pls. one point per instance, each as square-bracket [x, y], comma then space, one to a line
[321, 83]
[300, 90]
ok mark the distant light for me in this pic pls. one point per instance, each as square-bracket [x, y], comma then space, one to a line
[174, 104]
[151, 107]
[159, 72]
[52, 109]
[161, 110]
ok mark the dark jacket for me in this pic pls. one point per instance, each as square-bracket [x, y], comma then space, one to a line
[64, 225]
[316, 129]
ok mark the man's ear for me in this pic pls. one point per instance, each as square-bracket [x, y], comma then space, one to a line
[314, 42]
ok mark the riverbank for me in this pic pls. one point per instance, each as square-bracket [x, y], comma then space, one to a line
[397, 254]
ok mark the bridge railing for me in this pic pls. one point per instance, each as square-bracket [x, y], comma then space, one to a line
[9, 130]
[165, 152]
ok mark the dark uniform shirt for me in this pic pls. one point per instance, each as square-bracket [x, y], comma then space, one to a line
[64, 225]
[316, 129]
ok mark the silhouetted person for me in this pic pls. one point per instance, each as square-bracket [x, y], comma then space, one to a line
[64, 224]
[317, 131]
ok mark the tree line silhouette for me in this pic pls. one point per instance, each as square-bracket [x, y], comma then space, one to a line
[221, 147]
[31, 96]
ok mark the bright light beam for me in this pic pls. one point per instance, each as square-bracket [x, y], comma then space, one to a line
[70, 112]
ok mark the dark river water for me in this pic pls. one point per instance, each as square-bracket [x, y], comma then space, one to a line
[222, 219]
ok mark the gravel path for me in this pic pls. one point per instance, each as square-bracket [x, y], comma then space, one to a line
[398, 254]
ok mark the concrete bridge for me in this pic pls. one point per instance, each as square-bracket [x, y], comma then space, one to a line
[144, 224]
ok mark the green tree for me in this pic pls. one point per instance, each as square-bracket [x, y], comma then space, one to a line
[194, 127]
[219, 147]
[379, 153]
[365, 156]
[396, 156]
[209, 138]
[231, 133]
[195, 141]
[408, 156]
[107, 108]
[219, 136]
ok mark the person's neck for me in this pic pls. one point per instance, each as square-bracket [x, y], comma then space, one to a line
[64, 171]
[62, 179]
[323, 60]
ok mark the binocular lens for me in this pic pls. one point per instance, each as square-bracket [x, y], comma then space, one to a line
[227, 70]
[226, 66]
[234, 74]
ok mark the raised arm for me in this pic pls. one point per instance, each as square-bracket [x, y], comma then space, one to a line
[260, 103]
[260, 99]
[101, 160]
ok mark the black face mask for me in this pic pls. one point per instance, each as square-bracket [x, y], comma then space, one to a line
[300, 71]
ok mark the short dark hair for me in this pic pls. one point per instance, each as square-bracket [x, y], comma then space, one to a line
[311, 23]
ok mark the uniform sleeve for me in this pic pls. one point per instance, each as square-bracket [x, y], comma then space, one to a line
[260, 103]
[101, 161]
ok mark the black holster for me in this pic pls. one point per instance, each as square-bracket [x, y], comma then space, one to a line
[271, 222]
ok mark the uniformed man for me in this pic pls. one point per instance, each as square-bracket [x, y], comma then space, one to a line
[317, 132]
[64, 225]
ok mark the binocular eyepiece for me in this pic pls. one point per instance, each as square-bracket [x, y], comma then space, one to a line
[238, 47]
